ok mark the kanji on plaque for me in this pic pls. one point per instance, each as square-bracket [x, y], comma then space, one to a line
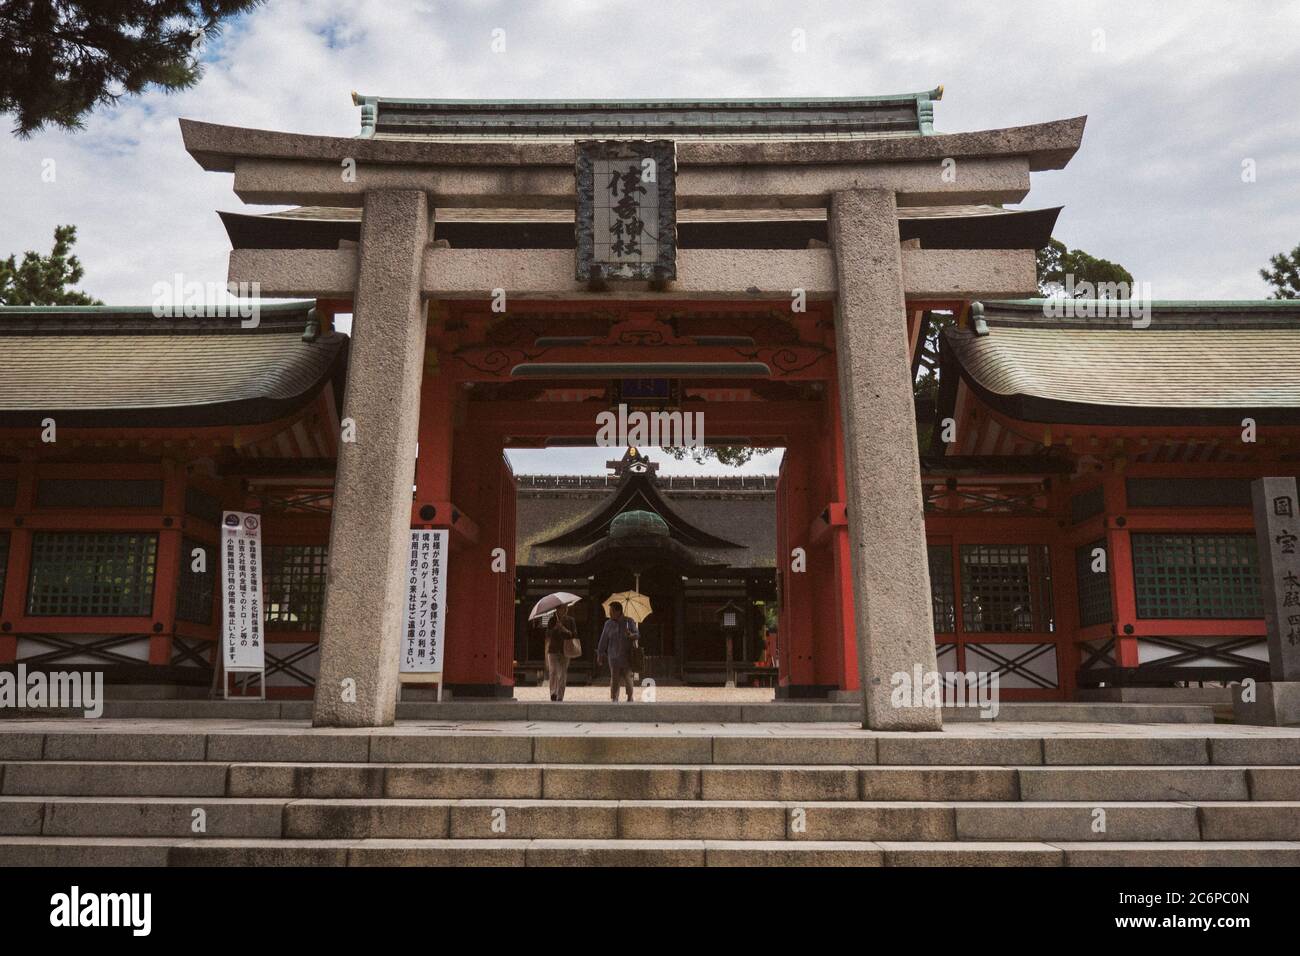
[1277, 529]
[625, 223]
[426, 589]
[241, 575]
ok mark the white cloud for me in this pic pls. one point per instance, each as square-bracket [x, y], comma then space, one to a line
[1179, 96]
[591, 461]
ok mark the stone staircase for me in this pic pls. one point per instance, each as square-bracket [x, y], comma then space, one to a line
[465, 795]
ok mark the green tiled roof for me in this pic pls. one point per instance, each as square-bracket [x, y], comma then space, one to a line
[805, 118]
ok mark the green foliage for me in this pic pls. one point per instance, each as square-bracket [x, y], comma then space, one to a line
[59, 59]
[44, 280]
[926, 386]
[1284, 277]
[733, 456]
[1062, 270]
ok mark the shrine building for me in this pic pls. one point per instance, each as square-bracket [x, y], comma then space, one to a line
[1069, 507]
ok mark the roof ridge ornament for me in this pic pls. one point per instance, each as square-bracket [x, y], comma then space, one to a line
[369, 113]
[925, 109]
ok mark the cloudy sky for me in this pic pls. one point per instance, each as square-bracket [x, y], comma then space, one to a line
[1179, 95]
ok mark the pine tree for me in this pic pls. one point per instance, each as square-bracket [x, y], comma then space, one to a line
[1285, 274]
[59, 59]
[1056, 263]
[44, 280]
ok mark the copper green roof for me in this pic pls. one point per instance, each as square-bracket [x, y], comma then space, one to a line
[802, 118]
[638, 522]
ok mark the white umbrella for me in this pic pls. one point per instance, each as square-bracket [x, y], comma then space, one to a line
[549, 603]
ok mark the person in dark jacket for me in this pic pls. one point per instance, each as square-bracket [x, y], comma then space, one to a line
[561, 629]
[616, 640]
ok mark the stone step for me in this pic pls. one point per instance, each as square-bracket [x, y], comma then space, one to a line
[105, 852]
[387, 818]
[631, 782]
[498, 744]
[846, 708]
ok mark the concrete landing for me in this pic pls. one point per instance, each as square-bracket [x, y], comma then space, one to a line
[641, 711]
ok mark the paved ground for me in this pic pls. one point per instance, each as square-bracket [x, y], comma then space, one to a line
[711, 695]
[964, 729]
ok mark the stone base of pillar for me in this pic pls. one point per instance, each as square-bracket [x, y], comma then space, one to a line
[1276, 704]
[481, 691]
[808, 692]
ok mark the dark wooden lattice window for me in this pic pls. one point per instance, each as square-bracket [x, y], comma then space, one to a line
[1188, 492]
[1086, 504]
[1196, 576]
[4, 559]
[202, 505]
[194, 588]
[78, 574]
[293, 577]
[1006, 587]
[1094, 586]
[92, 493]
[942, 599]
[8, 492]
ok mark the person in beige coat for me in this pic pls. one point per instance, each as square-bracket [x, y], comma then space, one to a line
[562, 628]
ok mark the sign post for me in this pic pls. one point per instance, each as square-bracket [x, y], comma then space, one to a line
[1277, 526]
[243, 648]
[423, 639]
[1277, 529]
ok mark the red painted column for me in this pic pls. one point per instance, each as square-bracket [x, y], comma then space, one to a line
[843, 605]
[505, 580]
[1120, 555]
[784, 627]
[794, 630]
[13, 603]
[167, 569]
[1065, 594]
[433, 464]
[798, 633]
[474, 612]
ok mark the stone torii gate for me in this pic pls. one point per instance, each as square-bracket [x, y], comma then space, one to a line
[397, 269]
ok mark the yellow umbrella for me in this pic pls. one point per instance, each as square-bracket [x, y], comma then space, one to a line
[635, 605]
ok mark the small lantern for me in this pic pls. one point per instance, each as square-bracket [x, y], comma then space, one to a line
[731, 621]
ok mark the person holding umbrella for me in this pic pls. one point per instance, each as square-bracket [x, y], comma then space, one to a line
[559, 632]
[616, 640]
[561, 638]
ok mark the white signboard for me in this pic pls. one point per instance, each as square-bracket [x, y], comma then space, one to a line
[1277, 528]
[426, 603]
[242, 646]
